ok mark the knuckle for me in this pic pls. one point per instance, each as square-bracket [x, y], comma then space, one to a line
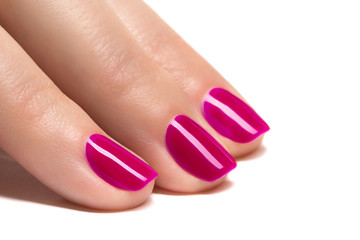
[34, 100]
[118, 71]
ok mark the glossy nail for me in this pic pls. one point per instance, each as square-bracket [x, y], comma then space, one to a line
[196, 151]
[232, 117]
[116, 165]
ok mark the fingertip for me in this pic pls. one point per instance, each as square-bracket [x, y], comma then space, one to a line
[117, 165]
[120, 179]
[114, 199]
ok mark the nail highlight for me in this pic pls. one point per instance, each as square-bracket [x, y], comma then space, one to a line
[196, 151]
[116, 165]
[232, 117]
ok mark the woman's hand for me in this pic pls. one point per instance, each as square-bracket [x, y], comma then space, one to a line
[75, 74]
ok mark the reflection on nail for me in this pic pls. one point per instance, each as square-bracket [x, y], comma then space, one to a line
[232, 117]
[196, 151]
[116, 165]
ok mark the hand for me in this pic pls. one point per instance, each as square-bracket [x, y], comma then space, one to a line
[78, 76]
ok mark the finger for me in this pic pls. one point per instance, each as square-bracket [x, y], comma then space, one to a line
[222, 106]
[96, 62]
[58, 143]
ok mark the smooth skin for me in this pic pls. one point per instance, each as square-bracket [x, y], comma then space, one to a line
[69, 69]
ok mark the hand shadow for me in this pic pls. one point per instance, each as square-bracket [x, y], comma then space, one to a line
[17, 183]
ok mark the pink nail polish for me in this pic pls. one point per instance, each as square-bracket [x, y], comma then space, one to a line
[196, 151]
[116, 165]
[232, 117]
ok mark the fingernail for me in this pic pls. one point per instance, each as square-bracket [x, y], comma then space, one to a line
[116, 165]
[232, 117]
[196, 151]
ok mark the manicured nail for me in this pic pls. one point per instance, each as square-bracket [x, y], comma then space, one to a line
[196, 151]
[232, 117]
[116, 165]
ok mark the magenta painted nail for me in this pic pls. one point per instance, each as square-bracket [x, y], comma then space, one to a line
[232, 117]
[116, 165]
[196, 151]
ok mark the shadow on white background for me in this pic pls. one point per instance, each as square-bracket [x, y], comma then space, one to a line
[18, 184]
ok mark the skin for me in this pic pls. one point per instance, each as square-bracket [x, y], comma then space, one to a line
[69, 69]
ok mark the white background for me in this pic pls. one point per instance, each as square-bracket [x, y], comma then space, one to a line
[298, 64]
